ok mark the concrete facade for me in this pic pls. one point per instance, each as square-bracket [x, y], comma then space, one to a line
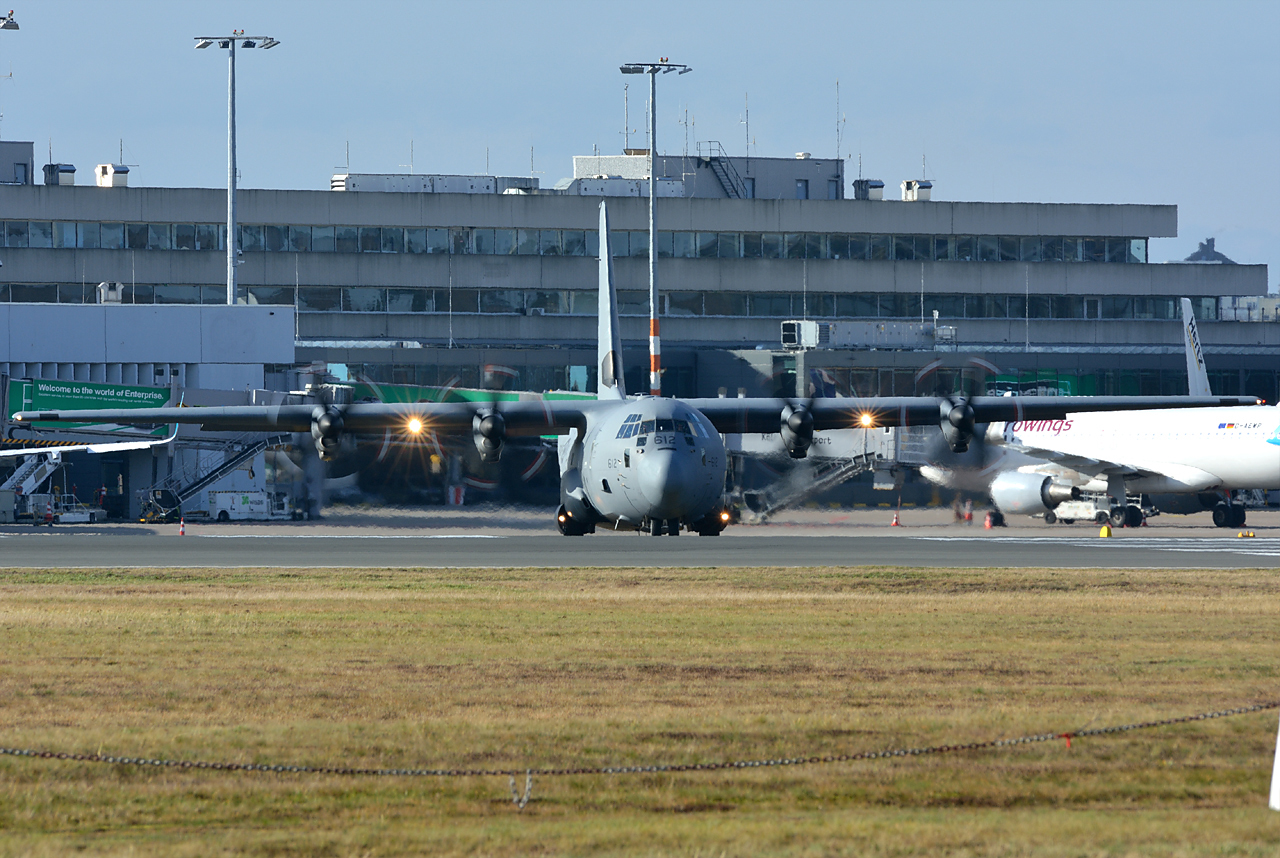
[383, 306]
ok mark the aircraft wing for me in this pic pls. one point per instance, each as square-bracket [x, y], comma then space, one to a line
[763, 415]
[524, 417]
[1190, 478]
[548, 417]
[1086, 465]
[107, 447]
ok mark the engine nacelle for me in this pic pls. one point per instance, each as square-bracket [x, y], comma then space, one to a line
[1029, 494]
[796, 429]
[956, 422]
[489, 431]
[326, 431]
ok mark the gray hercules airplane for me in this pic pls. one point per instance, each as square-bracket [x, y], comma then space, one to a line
[633, 463]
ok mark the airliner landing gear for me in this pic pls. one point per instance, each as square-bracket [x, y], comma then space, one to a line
[1126, 516]
[656, 526]
[673, 527]
[1228, 515]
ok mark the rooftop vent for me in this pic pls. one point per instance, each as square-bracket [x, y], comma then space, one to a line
[110, 293]
[868, 189]
[916, 190]
[59, 174]
[111, 175]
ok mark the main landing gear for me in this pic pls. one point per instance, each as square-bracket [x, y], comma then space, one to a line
[669, 526]
[1228, 515]
[1126, 516]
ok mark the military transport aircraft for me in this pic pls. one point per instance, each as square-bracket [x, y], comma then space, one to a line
[636, 463]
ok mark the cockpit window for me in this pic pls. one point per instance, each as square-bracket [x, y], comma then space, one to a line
[665, 424]
[682, 426]
[628, 429]
[646, 427]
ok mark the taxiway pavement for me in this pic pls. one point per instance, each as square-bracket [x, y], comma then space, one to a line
[526, 538]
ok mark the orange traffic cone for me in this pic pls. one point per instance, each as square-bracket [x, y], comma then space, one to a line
[986, 522]
[895, 523]
[48, 514]
[182, 526]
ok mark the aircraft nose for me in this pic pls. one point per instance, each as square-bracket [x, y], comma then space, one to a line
[664, 484]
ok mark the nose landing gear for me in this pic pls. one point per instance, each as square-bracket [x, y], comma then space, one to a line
[569, 526]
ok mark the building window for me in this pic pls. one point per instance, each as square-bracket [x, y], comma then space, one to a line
[802, 189]
[364, 299]
[392, 240]
[300, 239]
[833, 189]
[87, 235]
[346, 239]
[323, 239]
[639, 244]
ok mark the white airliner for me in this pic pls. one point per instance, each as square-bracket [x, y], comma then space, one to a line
[635, 463]
[1193, 456]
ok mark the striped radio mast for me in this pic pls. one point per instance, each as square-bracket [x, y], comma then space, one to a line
[655, 341]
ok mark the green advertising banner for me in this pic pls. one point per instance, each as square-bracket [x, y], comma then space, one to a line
[55, 395]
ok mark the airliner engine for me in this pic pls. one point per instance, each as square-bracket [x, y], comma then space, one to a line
[1028, 494]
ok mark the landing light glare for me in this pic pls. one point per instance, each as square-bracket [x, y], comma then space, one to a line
[415, 426]
[866, 420]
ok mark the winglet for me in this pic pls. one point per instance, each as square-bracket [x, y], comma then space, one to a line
[610, 384]
[1197, 375]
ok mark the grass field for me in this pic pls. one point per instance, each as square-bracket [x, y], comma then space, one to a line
[518, 668]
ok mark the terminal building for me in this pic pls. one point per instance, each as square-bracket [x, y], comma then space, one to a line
[424, 279]
[491, 281]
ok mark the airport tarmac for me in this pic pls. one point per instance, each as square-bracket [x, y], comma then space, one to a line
[505, 537]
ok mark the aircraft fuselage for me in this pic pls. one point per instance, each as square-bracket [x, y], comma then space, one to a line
[651, 459]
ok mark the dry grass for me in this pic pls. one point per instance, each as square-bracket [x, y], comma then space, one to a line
[515, 668]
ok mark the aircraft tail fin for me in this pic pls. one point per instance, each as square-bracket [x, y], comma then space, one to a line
[1197, 375]
[610, 384]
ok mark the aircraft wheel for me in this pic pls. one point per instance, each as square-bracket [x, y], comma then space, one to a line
[1221, 515]
[1118, 516]
[566, 525]
[656, 527]
[1133, 516]
[1101, 517]
[1050, 517]
[673, 527]
[1237, 515]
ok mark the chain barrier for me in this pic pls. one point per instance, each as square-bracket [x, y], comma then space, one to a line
[529, 774]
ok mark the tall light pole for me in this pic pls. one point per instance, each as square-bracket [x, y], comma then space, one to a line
[7, 23]
[655, 341]
[228, 43]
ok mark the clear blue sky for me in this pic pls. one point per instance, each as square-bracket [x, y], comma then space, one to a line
[1168, 102]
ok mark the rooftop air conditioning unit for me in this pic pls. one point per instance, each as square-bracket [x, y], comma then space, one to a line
[111, 175]
[868, 189]
[59, 174]
[110, 293]
[797, 334]
[916, 190]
